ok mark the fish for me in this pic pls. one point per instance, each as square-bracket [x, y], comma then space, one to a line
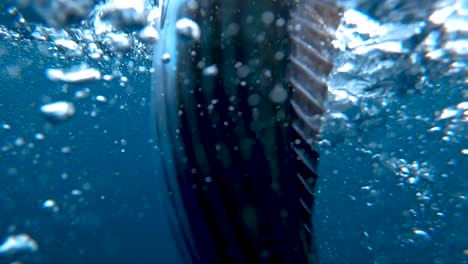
[238, 92]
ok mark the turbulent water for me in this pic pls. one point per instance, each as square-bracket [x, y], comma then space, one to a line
[393, 170]
[76, 147]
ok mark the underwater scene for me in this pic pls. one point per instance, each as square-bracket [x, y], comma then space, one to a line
[120, 122]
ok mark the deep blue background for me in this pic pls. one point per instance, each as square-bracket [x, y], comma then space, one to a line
[117, 219]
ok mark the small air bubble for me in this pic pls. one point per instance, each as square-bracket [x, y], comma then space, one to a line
[166, 58]
[66, 149]
[64, 176]
[76, 74]
[188, 28]
[51, 205]
[280, 22]
[19, 142]
[446, 138]
[210, 70]
[462, 106]
[278, 94]
[279, 55]
[448, 112]
[18, 243]
[149, 34]
[60, 110]
[412, 180]
[76, 192]
[81, 94]
[268, 17]
[421, 233]
[433, 129]
[101, 99]
[39, 136]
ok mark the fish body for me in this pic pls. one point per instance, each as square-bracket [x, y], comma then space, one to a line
[238, 92]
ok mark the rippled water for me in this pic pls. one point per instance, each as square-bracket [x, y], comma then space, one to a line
[76, 145]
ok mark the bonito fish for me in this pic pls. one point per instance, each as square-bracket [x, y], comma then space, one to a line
[238, 92]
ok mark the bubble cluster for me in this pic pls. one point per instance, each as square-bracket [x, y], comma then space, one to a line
[395, 130]
[69, 83]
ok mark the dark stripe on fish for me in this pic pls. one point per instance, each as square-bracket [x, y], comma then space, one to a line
[235, 114]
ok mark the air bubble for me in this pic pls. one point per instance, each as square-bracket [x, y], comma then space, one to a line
[75, 74]
[188, 28]
[166, 58]
[18, 243]
[211, 70]
[60, 110]
[50, 205]
[101, 99]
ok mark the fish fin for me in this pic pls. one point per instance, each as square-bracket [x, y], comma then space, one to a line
[312, 26]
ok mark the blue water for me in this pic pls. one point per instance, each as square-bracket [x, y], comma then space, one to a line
[115, 221]
[365, 212]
